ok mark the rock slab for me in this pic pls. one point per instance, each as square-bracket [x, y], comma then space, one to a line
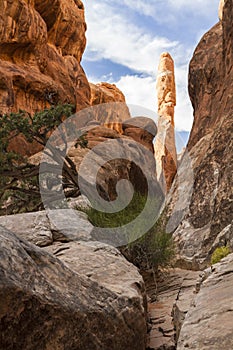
[79, 296]
[209, 322]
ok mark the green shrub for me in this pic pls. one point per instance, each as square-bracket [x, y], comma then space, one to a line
[116, 219]
[219, 254]
[155, 249]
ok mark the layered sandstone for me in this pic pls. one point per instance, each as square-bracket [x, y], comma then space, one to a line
[104, 93]
[41, 46]
[207, 215]
[108, 115]
[165, 147]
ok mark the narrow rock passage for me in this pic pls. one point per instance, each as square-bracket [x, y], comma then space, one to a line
[170, 297]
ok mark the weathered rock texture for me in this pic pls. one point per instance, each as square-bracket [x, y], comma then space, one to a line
[41, 46]
[43, 228]
[73, 295]
[42, 43]
[165, 147]
[208, 324]
[210, 147]
[220, 9]
[113, 155]
[170, 299]
[108, 94]
[104, 93]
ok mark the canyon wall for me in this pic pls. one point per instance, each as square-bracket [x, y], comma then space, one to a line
[41, 46]
[207, 220]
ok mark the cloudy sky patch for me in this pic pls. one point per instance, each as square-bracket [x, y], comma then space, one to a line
[126, 37]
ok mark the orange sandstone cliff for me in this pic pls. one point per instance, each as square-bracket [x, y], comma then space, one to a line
[41, 46]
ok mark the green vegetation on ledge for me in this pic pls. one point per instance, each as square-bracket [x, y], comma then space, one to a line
[155, 249]
[219, 254]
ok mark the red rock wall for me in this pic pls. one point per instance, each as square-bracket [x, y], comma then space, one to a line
[41, 46]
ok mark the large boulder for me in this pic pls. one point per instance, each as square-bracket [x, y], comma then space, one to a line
[68, 295]
[43, 228]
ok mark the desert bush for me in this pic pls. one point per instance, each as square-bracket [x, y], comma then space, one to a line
[154, 249]
[219, 254]
[116, 219]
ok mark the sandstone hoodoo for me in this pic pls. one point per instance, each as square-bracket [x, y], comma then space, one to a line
[165, 147]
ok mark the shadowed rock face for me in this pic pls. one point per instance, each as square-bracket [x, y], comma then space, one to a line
[111, 156]
[41, 46]
[210, 146]
[69, 295]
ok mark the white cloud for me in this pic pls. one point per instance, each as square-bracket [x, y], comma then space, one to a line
[202, 7]
[141, 91]
[112, 35]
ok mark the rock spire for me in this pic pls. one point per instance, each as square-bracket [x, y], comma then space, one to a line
[165, 147]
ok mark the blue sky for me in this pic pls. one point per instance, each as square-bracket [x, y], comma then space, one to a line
[126, 37]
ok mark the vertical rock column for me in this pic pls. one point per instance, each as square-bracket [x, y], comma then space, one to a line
[165, 147]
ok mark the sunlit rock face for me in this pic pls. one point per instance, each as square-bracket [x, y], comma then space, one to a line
[41, 46]
[220, 9]
[165, 148]
[110, 116]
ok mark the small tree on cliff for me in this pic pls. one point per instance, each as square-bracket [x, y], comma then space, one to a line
[19, 179]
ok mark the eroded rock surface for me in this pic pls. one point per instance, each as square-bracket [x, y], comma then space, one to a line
[165, 147]
[42, 43]
[208, 324]
[210, 148]
[73, 295]
[105, 93]
[41, 46]
[43, 228]
[170, 298]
